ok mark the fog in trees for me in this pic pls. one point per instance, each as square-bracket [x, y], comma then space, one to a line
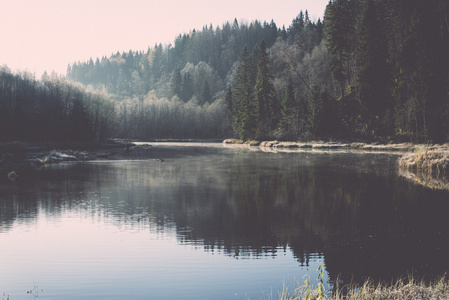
[371, 70]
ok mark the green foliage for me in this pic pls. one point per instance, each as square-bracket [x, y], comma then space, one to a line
[373, 69]
[187, 87]
[288, 124]
[176, 83]
[205, 94]
[340, 31]
[374, 75]
[245, 109]
[421, 69]
[264, 96]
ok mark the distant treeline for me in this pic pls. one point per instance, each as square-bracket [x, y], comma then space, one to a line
[372, 70]
[51, 109]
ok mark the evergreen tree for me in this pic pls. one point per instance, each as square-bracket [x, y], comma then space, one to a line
[327, 117]
[264, 95]
[245, 109]
[340, 31]
[314, 107]
[205, 94]
[229, 100]
[288, 123]
[187, 87]
[176, 81]
[374, 74]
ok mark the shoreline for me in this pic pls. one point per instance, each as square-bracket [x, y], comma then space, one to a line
[400, 147]
[423, 164]
[16, 157]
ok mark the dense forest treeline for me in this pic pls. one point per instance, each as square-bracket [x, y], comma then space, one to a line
[372, 70]
[52, 109]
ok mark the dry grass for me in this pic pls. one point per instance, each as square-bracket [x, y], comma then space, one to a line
[409, 289]
[402, 289]
[429, 168]
[232, 141]
[432, 162]
[252, 143]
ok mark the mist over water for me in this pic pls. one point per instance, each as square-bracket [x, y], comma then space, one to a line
[215, 222]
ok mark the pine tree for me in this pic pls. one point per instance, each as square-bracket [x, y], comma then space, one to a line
[264, 95]
[176, 81]
[339, 28]
[288, 122]
[314, 107]
[187, 87]
[229, 100]
[205, 93]
[374, 73]
[245, 110]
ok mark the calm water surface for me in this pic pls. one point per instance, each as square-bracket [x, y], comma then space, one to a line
[212, 222]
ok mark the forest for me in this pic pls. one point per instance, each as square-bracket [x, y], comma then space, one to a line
[372, 70]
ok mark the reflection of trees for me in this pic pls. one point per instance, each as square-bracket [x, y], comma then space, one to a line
[367, 221]
[352, 209]
[47, 189]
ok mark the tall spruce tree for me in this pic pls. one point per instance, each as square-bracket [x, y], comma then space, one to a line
[176, 82]
[187, 87]
[288, 122]
[264, 95]
[245, 109]
[205, 94]
[374, 76]
[229, 100]
[340, 29]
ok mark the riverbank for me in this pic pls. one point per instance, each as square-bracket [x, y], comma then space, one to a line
[423, 164]
[402, 289]
[18, 156]
[426, 167]
[330, 145]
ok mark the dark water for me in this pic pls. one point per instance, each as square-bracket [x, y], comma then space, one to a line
[215, 223]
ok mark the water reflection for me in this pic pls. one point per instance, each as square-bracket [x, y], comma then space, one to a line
[351, 208]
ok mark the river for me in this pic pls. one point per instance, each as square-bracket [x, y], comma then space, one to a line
[205, 221]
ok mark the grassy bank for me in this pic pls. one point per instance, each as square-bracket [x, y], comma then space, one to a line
[435, 162]
[329, 145]
[402, 289]
[427, 167]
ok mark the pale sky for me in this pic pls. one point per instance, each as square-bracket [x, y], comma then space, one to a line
[39, 35]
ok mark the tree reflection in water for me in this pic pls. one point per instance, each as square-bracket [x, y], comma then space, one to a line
[351, 208]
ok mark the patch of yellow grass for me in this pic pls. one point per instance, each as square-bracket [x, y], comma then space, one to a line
[402, 289]
[432, 162]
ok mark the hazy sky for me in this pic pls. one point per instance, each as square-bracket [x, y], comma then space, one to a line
[38, 35]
